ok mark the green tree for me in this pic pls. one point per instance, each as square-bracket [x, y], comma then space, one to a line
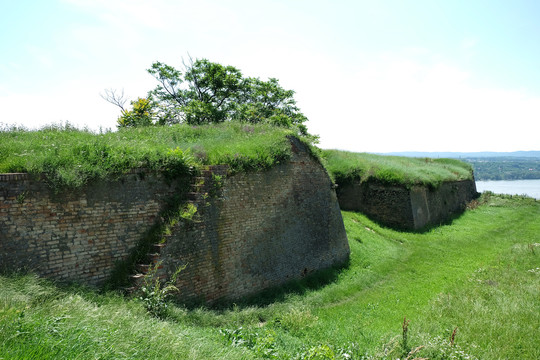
[266, 101]
[207, 92]
[141, 114]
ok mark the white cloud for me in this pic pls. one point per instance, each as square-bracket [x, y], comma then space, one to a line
[40, 56]
[35, 111]
[402, 105]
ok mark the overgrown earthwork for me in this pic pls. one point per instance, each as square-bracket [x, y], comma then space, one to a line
[349, 167]
[69, 157]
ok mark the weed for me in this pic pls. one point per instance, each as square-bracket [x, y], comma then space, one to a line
[532, 246]
[318, 352]
[404, 341]
[217, 184]
[188, 212]
[155, 295]
[262, 343]
[453, 336]
[297, 320]
[21, 197]
[435, 348]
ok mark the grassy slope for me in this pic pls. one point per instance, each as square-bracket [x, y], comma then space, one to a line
[472, 274]
[348, 166]
[480, 274]
[71, 157]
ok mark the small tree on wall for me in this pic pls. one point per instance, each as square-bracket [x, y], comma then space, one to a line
[206, 92]
[141, 113]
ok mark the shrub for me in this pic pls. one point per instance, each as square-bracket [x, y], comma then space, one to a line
[155, 295]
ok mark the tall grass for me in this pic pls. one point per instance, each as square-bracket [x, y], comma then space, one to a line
[479, 275]
[71, 157]
[347, 167]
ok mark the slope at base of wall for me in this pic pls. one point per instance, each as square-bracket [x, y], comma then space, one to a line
[408, 209]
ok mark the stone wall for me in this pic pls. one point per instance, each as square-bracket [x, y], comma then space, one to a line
[403, 208]
[258, 230]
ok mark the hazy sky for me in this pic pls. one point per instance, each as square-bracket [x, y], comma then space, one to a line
[374, 76]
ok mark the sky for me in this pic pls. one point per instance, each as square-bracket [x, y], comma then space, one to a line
[371, 76]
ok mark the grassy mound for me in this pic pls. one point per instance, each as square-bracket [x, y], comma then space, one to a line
[347, 167]
[71, 157]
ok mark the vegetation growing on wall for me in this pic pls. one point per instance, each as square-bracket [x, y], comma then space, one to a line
[206, 92]
[347, 167]
[69, 157]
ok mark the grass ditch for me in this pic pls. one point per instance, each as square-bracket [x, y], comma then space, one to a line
[348, 167]
[465, 290]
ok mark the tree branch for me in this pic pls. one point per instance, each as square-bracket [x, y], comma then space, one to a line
[114, 98]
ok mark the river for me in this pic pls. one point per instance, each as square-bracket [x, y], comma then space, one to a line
[530, 188]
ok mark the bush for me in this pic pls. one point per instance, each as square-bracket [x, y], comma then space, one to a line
[155, 295]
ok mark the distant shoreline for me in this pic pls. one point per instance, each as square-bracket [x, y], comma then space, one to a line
[528, 187]
[461, 155]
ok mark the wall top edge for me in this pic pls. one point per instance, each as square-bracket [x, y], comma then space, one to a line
[15, 177]
[10, 177]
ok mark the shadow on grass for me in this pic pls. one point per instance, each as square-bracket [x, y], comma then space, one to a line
[448, 220]
[311, 282]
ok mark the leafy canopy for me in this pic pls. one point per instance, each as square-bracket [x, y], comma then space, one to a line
[207, 93]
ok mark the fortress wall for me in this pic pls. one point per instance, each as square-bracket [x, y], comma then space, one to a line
[75, 235]
[431, 207]
[264, 229]
[389, 205]
[410, 209]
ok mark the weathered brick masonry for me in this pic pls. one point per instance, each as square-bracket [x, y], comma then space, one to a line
[261, 230]
[265, 229]
[404, 208]
[79, 235]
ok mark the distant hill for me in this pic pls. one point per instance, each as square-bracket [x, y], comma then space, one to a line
[461, 155]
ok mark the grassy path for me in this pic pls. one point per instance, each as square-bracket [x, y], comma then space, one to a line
[481, 275]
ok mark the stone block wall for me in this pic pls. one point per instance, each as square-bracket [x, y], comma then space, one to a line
[403, 208]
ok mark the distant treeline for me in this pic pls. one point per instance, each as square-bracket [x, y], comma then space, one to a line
[505, 168]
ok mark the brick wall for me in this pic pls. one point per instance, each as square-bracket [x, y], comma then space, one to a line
[259, 230]
[75, 235]
[264, 229]
[403, 208]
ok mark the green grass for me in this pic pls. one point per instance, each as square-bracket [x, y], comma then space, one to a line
[347, 167]
[480, 274]
[71, 157]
